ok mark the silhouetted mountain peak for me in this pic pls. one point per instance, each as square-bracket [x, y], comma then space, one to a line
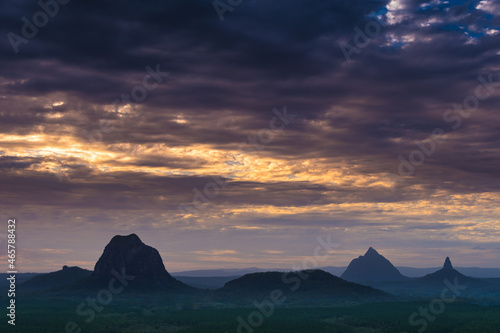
[372, 267]
[129, 255]
[450, 274]
[371, 252]
[447, 264]
[128, 240]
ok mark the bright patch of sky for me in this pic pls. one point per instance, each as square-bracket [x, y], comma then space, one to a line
[474, 20]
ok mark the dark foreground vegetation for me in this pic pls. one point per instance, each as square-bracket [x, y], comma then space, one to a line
[156, 314]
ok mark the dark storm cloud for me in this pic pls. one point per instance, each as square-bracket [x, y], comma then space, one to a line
[12, 162]
[99, 42]
[227, 76]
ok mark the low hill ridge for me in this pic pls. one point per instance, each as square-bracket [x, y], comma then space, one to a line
[313, 283]
[66, 275]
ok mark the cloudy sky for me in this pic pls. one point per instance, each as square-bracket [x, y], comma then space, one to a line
[235, 136]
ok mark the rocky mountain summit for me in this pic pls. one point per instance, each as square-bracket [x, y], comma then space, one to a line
[372, 267]
[128, 255]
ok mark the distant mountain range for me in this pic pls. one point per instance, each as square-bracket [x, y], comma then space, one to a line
[216, 278]
[139, 267]
[212, 282]
[476, 272]
[126, 261]
[376, 271]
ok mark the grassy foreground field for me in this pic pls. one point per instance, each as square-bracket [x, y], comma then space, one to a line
[130, 315]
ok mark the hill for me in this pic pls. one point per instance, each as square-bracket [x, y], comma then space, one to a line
[65, 276]
[308, 286]
[447, 273]
[211, 282]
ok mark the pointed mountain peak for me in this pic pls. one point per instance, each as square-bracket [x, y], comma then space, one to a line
[447, 264]
[371, 251]
[449, 273]
[371, 267]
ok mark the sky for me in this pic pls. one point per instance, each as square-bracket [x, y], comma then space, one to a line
[231, 134]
